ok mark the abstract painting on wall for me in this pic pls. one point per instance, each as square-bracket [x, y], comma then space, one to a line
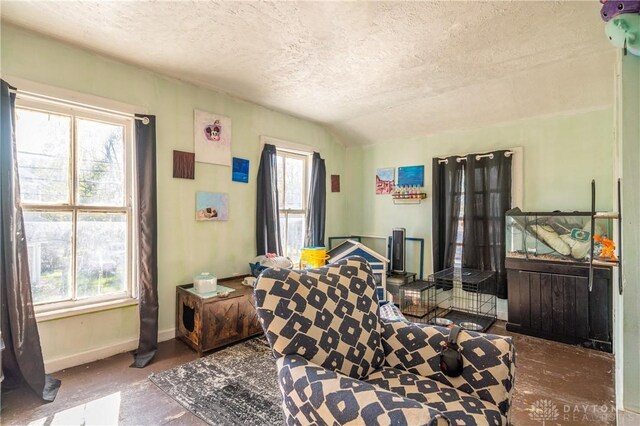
[183, 165]
[385, 180]
[335, 183]
[240, 171]
[411, 176]
[212, 138]
[212, 206]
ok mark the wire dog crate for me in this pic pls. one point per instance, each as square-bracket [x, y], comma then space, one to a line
[462, 296]
[416, 301]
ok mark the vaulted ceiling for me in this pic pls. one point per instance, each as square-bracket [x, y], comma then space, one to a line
[371, 71]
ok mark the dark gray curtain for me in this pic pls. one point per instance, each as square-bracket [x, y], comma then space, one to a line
[147, 241]
[487, 187]
[316, 212]
[445, 210]
[22, 356]
[267, 216]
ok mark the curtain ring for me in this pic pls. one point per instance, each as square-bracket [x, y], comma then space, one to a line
[458, 159]
[508, 154]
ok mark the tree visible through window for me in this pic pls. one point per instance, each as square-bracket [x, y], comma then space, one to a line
[292, 199]
[74, 170]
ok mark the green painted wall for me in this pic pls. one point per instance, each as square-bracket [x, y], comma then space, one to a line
[561, 156]
[630, 159]
[185, 246]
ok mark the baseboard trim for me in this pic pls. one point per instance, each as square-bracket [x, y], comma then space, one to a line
[168, 334]
[61, 363]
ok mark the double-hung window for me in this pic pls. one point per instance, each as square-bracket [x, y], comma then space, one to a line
[75, 169]
[293, 188]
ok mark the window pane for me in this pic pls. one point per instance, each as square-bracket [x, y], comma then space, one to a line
[280, 166]
[295, 236]
[49, 247]
[101, 254]
[43, 145]
[294, 183]
[100, 163]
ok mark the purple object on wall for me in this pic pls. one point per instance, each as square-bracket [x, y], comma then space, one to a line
[613, 8]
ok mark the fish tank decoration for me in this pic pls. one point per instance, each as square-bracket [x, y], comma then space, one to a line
[556, 236]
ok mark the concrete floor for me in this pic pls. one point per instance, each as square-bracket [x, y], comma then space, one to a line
[577, 382]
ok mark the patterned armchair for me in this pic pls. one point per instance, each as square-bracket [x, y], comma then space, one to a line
[340, 363]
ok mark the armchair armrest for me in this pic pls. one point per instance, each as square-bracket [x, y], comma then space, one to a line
[488, 359]
[314, 395]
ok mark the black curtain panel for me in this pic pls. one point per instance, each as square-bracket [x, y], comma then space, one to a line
[147, 240]
[445, 209]
[487, 188]
[22, 356]
[267, 215]
[316, 212]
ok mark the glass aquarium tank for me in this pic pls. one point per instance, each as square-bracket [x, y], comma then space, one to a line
[557, 236]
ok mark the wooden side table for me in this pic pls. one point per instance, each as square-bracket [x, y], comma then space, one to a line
[207, 323]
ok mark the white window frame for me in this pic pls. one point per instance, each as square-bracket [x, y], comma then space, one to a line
[285, 153]
[57, 309]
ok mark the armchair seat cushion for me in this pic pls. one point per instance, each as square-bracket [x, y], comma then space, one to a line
[459, 407]
[313, 395]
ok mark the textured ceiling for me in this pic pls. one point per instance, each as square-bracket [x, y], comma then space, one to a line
[372, 72]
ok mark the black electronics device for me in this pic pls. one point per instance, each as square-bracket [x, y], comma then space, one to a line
[451, 355]
[398, 250]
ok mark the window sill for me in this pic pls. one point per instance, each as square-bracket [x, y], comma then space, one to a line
[84, 309]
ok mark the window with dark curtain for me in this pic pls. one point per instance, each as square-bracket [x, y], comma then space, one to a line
[470, 198]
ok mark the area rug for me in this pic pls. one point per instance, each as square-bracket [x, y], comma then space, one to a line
[234, 386]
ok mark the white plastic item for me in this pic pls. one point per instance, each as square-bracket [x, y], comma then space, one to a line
[205, 283]
[249, 281]
[274, 262]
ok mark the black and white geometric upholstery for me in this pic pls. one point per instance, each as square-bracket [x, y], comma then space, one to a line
[328, 316]
[459, 407]
[488, 359]
[339, 362]
[315, 395]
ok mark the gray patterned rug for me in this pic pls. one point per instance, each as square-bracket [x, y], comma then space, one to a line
[235, 386]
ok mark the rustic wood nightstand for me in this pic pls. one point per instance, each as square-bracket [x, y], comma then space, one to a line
[207, 323]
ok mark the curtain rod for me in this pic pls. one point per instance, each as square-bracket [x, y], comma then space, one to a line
[479, 156]
[36, 96]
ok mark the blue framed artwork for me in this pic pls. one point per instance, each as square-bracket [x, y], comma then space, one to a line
[411, 176]
[240, 171]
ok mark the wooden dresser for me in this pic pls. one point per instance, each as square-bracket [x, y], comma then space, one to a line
[209, 323]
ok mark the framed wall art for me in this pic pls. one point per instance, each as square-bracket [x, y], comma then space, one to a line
[411, 176]
[212, 138]
[385, 180]
[212, 206]
[240, 171]
[184, 165]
